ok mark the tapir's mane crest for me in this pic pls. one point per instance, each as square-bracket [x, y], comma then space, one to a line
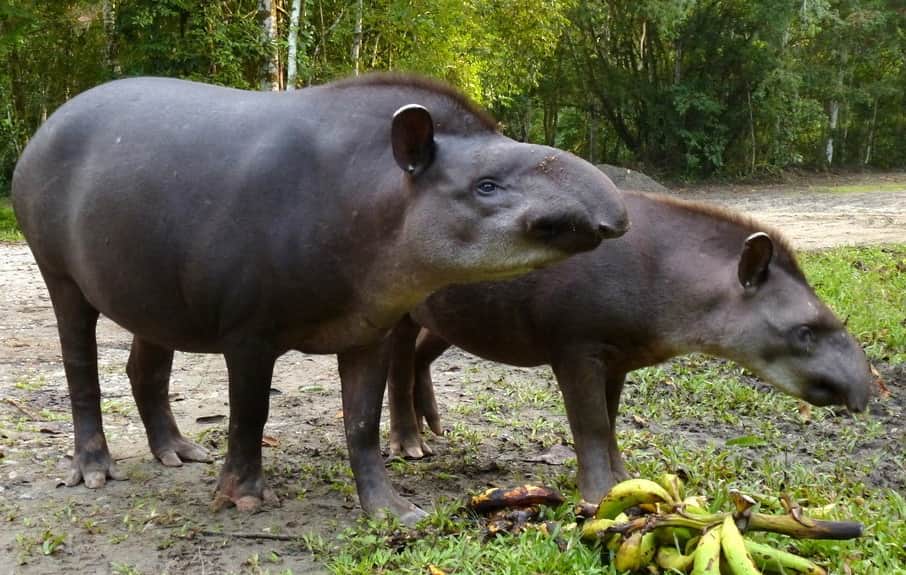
[436, 87]
[747, 223]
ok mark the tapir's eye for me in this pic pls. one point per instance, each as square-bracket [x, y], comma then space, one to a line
[487, 188]
[805, 337]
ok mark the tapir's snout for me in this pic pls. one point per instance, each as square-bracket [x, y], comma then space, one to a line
[573, 232]
[853, 394]
[609, 231]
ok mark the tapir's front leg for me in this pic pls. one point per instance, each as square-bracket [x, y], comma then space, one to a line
[581, 375]
[250, 365]
[363, 374]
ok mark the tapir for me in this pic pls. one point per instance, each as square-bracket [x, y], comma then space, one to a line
[688, 277]
[214, 220]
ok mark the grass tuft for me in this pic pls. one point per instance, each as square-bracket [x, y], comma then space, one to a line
[9, 228]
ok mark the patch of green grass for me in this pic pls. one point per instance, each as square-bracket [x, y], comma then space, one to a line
[866, 286]
[9, 228]
[860, 188]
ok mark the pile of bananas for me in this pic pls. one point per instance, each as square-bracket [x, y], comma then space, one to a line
[674, 534]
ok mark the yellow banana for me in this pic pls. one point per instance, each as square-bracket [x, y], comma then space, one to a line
[635, 552]
[707, 553]
[669, 558]
[649, 548]
[629, 555]
[734, 547]
[628, 493]
[593, 529]
[613, 542]
[695, 505]
[772, 560]
[672, 484]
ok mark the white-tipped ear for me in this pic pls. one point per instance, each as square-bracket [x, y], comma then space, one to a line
[412, 138]
[755, 259]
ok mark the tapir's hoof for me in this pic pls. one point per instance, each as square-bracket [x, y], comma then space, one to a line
[410, 448]
[94, 470]
[179, 450]
[245, 502]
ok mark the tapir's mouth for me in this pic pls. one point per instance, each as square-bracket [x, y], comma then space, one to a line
[827, 392]
[565, 233]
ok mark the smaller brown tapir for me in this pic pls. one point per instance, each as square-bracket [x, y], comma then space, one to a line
[688, 277]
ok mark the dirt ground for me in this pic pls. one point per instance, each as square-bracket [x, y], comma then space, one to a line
[159, 521]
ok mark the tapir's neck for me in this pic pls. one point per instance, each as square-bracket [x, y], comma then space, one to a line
[689, 276]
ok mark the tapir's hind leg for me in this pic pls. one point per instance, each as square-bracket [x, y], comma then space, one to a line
[405, 433]
[615, 383]
[76, 322]
[149, 373]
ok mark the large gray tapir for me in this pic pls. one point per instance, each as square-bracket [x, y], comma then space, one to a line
[214, 220]
[688, 277]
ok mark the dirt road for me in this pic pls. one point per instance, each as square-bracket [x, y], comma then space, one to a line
[158, 521]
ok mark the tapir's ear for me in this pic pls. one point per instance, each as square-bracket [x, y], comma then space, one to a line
[413, 138]
[754, 260]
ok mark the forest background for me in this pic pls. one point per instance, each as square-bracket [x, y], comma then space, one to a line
[682, 88]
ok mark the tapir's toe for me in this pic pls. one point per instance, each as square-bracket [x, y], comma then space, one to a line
[94, 470]
[247, 500]
[178, 450]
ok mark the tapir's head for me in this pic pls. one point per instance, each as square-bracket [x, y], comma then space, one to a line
[482, 206]
[789, 337]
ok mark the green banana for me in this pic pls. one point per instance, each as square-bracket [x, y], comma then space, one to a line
[670, 558]
[707, 553]
[629, 493]
[635, 552]
[676, 536]
[734, 546]
[672, 484]
[774, 560]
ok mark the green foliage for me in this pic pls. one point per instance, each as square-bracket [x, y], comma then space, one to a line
[867, 286]
[9, 228]
[689, 87]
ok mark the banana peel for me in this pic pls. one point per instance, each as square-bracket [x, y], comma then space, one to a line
[523, 496]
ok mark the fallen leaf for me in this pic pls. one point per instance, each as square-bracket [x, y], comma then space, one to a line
[883, 391]
[640, 421]
[269, 441]
[805, 411]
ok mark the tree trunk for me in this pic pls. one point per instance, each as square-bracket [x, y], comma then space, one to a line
[871, 132]
[270, 79]
[751, 130]
[293, 44]
[110, 49]
[832, 127]
[677, 62]
[357, 38]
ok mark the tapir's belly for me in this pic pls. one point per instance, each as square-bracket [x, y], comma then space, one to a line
[502, 334]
